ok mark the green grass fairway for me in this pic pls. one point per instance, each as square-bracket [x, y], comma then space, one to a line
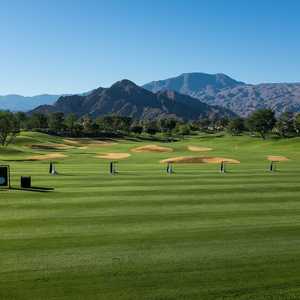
[143, 234]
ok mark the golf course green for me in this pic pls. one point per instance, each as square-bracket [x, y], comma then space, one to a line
[144, 234]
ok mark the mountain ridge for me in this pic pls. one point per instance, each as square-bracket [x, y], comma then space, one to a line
[213, 89]
[242, 98]
[15, 102]
[128, 99]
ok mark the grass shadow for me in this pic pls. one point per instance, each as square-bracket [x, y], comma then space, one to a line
[33, 189]
[152, 139]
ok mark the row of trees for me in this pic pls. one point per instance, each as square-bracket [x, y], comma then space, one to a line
[264, 122]
[60, 124]
[70, 125]
[260, 122]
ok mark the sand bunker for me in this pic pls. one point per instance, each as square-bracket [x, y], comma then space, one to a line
[112, 156]
[49, 156]
[88, 142]
[72, 142]
[277, 158]
[151, 148]
[102, 144]
[199, 160]
[199, 149]
[50, 146]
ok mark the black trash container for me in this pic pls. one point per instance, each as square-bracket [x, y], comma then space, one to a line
[25, 182]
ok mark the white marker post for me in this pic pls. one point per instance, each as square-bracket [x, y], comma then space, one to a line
[53, 170]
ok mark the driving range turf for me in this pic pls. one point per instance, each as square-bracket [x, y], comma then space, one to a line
[144, 234]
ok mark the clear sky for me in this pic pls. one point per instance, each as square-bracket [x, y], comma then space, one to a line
[71, 46]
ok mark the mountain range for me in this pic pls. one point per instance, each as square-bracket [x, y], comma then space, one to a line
[212, 89]
[125, 98]
[25, 103]
[241, 98]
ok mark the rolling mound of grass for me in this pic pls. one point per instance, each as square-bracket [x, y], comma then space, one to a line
[143, 234]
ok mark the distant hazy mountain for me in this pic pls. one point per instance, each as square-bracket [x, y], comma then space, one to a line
[127, 99]
[22, 103]
[212, 89]
[194, 84]
[241, 98]
[280, 97]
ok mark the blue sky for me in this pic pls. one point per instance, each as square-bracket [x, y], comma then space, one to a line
[71, 46]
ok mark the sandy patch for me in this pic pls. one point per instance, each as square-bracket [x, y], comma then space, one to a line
[198, 149]
[47, 156]
[72, 142]
[199, 160]
[277, 158]
[88, 142]
[113, 155]
[102, 144]
[50, 146]
[152, 148]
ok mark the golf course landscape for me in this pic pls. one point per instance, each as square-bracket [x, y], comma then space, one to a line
[143, 233]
